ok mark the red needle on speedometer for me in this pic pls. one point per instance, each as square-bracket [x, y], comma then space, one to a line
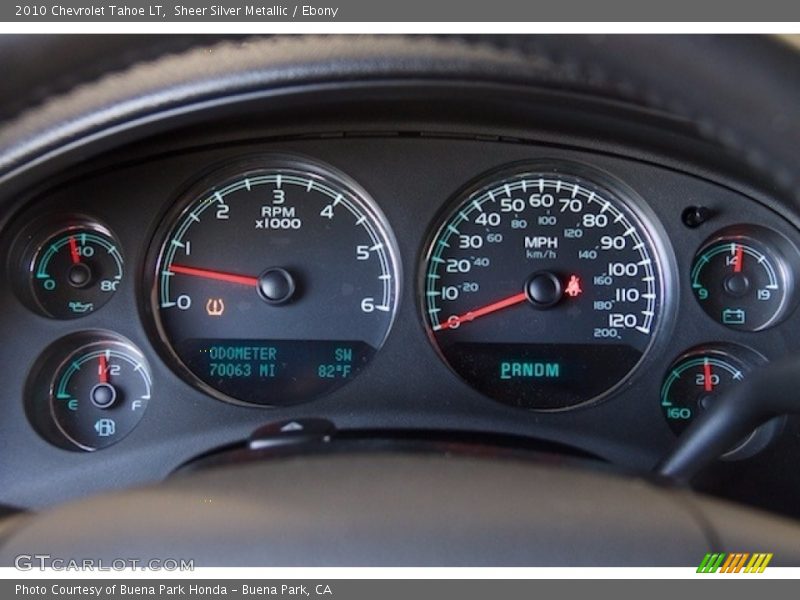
[455, 321]
[217, 275]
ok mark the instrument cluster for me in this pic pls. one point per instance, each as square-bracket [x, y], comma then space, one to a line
[588, 299]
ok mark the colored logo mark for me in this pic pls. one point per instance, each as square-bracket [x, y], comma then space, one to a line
[735, 562]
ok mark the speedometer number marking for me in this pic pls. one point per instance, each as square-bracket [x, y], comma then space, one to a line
[536, 273]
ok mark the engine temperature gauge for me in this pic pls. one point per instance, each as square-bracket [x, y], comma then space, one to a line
[701, 377]
[97, 389]
[742, 280]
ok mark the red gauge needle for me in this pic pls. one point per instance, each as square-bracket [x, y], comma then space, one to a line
[73, 250]
[216, 275]
[103, 368]
[455, 321]
[708, 384]
[739, 259]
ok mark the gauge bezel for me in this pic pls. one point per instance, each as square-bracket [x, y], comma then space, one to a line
[42, 243]
[219, 174]
[27, 247]
[40, 387]
[635, 207]
[750, 360]
[785, 254]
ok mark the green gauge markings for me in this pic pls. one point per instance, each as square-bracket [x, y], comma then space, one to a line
[533, 277]
[743, 277]
[85, 242]
[278, 182]
[678, 372]
[276, 282]
[76, 270]
[730, 249]
[92, 358]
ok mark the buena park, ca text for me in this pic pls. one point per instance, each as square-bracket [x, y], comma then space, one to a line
[173, 590]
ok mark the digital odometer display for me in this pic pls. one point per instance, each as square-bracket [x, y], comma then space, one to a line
[541, 289]
[276, 283]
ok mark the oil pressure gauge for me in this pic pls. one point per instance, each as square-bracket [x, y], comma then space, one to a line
[742, 277]
[69, 270]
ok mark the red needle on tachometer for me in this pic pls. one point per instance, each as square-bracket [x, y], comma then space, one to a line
[455, 321]
[217, 275]
[73, 251]
[103, 368]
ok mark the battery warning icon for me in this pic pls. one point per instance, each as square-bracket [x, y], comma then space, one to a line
[734, 316]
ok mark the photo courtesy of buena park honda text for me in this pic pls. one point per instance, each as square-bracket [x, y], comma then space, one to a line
[400, 300]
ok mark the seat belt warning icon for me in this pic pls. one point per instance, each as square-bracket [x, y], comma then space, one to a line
[215, 307]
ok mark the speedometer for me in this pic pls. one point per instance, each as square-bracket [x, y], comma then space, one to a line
[542, 288]
[276, 281]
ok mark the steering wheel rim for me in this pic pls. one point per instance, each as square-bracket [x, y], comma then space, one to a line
[759, 122]
[391, 509]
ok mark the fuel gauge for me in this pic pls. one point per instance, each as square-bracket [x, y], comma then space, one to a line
[89, 391]
[742, 278]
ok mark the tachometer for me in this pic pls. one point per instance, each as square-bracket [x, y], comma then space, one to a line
[276, 282]
[542, 288]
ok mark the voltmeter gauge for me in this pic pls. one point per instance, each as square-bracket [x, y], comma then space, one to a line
[702, 376]
[742, 277]
[74, 270]
[89, 391]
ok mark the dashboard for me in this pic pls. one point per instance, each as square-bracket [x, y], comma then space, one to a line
[579, 273]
